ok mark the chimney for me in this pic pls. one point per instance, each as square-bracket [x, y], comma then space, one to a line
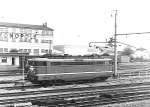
[45, 24]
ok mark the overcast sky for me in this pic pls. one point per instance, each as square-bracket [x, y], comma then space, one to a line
[83, 21]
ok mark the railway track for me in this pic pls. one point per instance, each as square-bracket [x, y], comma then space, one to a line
[105, 97]
[17, 84]
[73, 96]
[134, 72]
[83, 96]
[103, 100]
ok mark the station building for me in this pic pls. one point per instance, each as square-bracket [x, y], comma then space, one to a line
[33, 39]
[25, 38]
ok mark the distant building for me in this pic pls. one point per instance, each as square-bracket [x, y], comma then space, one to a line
[124, 58]
[144, 54]
[80, 50]
[26, 38]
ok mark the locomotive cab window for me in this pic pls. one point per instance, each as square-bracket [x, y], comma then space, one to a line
[79, 63]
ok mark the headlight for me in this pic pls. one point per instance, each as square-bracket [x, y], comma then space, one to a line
[32, 70]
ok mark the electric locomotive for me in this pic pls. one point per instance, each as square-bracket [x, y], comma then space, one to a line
[72, 69]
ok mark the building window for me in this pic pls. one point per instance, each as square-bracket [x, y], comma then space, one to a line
[51, 33]
[50, 41]
[29, 50]
[1, 50]
[25, 50]
[5, 49]
[46, 41]
[5, 37]
[36, 31]
[36, 40]
[28, 30]
[25, 31]
[36, 51]
[3, 29]
[44, 51]
[21, 30]
[17, 30]
[21, 50]
[14, 30]
[4, 59]
[45, 32]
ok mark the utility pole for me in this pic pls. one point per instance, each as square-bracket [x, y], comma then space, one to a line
[23, 65]
[115, 45]
[115, 42]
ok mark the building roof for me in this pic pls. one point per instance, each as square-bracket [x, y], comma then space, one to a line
[26, 26]
[14, 54]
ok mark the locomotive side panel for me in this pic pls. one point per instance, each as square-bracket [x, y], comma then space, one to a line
[76, 67]
[68, 69]
[74, 76]
[75, 72]
[83, 76]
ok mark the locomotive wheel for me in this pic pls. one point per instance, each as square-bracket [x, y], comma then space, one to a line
[45, 83]
[104, 78]
[32, 79]
[59, 82]
[52, 82]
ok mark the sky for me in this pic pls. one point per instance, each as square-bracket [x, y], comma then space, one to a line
[78, 22]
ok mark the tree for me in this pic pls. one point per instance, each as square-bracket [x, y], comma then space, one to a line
[141, 49]
[127, 51]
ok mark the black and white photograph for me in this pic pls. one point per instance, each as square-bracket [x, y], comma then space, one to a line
[74, 53]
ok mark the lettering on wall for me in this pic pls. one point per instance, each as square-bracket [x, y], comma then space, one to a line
[21, 37]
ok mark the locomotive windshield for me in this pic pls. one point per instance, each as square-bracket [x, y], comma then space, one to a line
[37, 63]
[81, 63]
[44, 61]
[76, 63]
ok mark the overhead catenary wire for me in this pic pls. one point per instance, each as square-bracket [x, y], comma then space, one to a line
[133, 33]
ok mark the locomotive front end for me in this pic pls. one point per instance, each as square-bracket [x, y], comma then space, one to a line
[31, 72]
